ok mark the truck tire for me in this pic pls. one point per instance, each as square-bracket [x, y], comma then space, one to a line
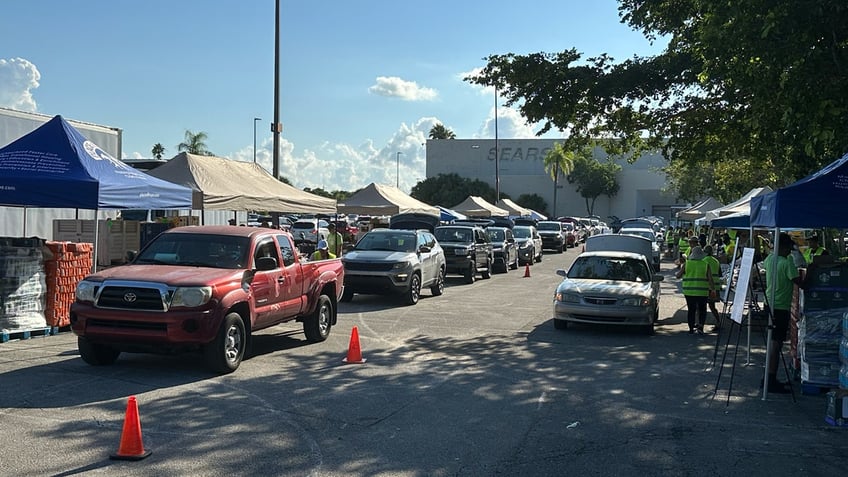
[225, 353]
[317, 326]
[439, 286]
[414, 291]
[96, 354]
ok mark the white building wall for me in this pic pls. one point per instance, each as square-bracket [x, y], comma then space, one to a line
[521, 170]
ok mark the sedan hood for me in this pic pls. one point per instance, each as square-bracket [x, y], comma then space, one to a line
[617, 288]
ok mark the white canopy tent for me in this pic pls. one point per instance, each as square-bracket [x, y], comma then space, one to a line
[474, 206]
[514, 209]
[700, 209]
[378, 199]
[743, 204]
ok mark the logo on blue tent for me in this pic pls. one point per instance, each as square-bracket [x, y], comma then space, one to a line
[98, 154]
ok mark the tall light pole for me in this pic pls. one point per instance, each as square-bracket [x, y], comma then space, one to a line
[397, 174]
[497, 152]
[254, 138]
[276, 127]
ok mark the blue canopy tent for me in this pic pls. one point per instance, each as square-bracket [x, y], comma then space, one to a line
[55, 166]
[817, 200]
[739, 220]
[448, 215]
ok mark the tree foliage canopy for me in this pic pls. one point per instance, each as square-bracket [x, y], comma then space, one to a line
[593, 179]
[195, 144]
[439, 131]
[742, 86]
[448, 190]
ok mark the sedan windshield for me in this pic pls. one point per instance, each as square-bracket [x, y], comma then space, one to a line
[609, 268]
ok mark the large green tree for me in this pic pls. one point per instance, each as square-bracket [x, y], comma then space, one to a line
[593, 179]
[194, 143]
[448, 190]
[533, 201]
[753, 82]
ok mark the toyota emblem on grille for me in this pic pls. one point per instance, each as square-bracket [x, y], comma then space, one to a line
[130, 297]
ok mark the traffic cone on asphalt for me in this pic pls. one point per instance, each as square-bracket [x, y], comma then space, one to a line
[354, 353]
[527, 270]
[131, 447]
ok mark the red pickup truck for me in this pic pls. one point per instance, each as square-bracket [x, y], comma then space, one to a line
[207, 289]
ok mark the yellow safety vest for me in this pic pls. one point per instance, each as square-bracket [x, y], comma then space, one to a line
[695, 282]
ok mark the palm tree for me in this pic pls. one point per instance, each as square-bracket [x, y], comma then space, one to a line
[194, 144]
[158, 150]
[557, 161]
[439, 131]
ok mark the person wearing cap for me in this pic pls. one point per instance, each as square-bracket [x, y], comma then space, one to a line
[698, 286]
[335, 240]
[814, 249]
[322, 252]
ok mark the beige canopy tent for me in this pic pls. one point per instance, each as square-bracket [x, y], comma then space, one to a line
[475, 206]
[699, 210]
[223, 184]
[513, 208]
[376, 199]
[743, 204]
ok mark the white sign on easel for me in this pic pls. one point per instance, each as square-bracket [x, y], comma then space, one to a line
[741, 295]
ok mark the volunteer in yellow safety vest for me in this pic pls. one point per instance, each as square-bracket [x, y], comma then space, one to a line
[698, 286]
[814, 249]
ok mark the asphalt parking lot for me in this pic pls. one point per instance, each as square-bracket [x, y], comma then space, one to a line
[476, 382]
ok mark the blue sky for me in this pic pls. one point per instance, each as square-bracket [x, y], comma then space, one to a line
[359, 81]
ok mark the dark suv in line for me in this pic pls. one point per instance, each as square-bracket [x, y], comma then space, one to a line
[468, 250]
[504, 248]
[553, 236]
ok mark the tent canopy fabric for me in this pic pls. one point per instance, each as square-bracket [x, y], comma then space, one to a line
[474, 206]
[743, 204]
[447, 215]
[377, 199]
[514, 209]
[739, 220]
[223, 184]
[817, 200]
[700, 209]
[55, 166]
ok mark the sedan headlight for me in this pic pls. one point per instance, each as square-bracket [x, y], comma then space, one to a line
[86, 289]
[636, 301]
[568, 297]
[191, 296]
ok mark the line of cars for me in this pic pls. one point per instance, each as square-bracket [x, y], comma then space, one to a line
[416, 251]
[614, 281]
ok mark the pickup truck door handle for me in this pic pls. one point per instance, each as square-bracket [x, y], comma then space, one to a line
[281, 280]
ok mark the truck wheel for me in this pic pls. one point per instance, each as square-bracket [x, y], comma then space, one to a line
[439, 287]
[224, 354]
[347, 295]
[96, 354]
[487, 273]
[471, 273]
[317, 326]
[414, 291]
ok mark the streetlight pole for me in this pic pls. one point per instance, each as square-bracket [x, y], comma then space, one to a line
[397, 174]
[254, 138]
[497, 152]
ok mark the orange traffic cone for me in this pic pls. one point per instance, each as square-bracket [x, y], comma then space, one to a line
[354, 353]
[131, 446]
[527, 270]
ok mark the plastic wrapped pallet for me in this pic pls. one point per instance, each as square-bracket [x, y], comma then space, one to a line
[22, 284]
[819, 338]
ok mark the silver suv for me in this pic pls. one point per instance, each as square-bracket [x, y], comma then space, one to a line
[400, 262]
[309, 230]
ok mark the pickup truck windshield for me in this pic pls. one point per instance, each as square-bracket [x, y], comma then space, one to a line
[199, 250]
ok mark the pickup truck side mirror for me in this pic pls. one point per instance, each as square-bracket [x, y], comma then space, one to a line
[423, 249]
[266, 263]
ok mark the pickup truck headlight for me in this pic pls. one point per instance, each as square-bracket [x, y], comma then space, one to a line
[191, 296]
[85, 290]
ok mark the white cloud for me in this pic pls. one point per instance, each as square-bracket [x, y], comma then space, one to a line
[511, 125]
[18, 77]
[394, 87]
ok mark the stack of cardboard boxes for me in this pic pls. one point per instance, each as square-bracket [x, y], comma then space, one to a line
[65, 264]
